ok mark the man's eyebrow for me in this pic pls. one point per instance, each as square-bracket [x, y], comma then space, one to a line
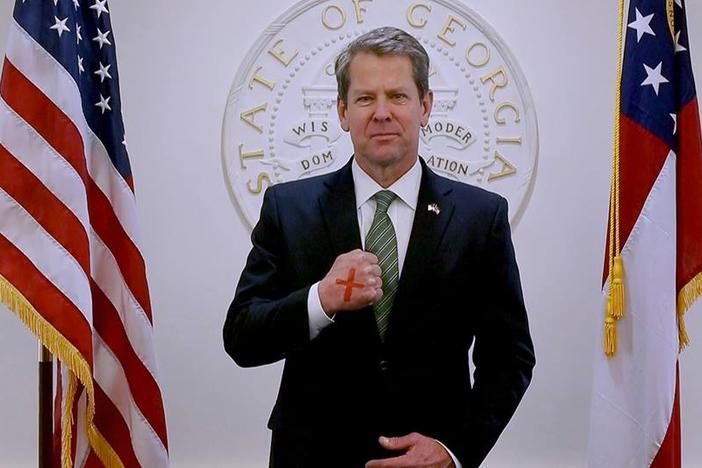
[400, 89]
[361, 91]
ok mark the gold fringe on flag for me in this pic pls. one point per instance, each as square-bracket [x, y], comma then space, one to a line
[71, 357]
[686, 297]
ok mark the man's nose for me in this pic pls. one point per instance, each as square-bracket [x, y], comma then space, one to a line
[382, 110]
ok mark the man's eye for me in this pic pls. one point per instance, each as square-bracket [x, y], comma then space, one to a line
[400, 97]
[363, 99]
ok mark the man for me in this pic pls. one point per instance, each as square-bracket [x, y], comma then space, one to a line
[376, 341]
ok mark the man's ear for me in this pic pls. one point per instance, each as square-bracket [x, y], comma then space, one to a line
[427, 103]
[342, 110]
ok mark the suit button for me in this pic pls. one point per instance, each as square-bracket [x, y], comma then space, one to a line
[384, 365]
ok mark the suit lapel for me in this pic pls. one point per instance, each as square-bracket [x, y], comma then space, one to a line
[427, 231]
[338, 206]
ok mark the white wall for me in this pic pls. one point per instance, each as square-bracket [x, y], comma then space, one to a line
[177, 62]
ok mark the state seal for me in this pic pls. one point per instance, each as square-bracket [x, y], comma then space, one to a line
[280, 121]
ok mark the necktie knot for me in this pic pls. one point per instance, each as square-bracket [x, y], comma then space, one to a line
[383, 199]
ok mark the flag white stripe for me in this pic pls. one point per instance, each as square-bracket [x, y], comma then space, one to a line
[105, 272]
[49, 257]
[57, 84]
[30, 148]
[634, 391]
[110, 375]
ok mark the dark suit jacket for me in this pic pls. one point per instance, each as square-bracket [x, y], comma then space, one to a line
[340, 391]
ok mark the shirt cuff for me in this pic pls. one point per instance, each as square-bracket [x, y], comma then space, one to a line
[453, 457]
[318, 319]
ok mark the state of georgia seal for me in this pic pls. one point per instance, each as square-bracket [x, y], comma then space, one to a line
[280, 121]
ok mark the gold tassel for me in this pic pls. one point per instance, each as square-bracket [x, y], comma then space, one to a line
[610, 331]
[610, 334]
[617, 288]
[615, 298]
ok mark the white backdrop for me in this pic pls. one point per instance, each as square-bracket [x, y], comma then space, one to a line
[177, 60]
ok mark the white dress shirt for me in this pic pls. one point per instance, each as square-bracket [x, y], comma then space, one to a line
[401, 212]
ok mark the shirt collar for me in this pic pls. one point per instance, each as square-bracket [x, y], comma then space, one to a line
[406, 187]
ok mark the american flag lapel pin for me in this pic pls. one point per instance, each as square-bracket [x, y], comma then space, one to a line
[434, 208]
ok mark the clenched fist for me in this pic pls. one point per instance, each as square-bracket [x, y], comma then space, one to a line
[353, 282]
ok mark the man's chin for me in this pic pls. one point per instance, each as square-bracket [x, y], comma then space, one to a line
[384, 160]
[385, 155]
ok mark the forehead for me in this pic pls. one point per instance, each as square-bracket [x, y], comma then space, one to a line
[368, 69]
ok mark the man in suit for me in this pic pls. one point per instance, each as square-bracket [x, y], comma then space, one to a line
[372, 283]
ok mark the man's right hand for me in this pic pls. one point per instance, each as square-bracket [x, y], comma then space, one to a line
[353, 282]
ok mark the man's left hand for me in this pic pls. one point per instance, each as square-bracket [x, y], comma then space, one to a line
[419, 451]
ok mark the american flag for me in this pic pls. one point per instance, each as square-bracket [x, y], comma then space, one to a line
[656, 212]
[70, 263]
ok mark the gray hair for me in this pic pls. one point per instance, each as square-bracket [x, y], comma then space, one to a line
[384, 41]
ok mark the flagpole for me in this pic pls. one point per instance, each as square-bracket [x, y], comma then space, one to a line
[46, 391]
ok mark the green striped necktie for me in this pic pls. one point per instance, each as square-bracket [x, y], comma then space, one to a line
[382, 242]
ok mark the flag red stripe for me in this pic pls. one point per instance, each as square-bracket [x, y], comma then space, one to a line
[61, 133]
[129, 259]
[142, 385]
[642, 155]
[60, 222]
[689, 175]
[111, 425]
[41, 114]
[55, 307]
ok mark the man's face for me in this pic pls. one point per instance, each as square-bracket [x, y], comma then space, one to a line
[383, 111]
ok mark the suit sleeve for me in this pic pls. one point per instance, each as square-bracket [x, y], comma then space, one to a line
[503, 352]
[266, 320]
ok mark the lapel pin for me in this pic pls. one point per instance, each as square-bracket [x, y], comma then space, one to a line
[434, 208]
